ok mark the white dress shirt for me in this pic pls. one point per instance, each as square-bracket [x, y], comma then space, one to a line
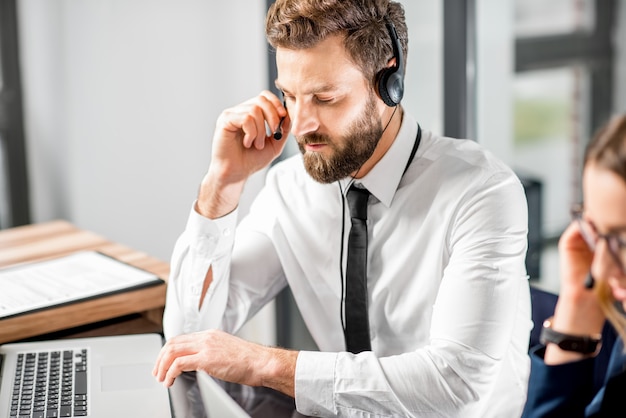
[449, 304]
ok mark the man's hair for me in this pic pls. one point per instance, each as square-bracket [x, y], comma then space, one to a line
[301, 24]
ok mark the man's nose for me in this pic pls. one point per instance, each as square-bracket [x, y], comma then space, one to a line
[304, 119]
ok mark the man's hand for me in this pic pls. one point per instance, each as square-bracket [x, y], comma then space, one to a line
[228, 358]
[241, 147]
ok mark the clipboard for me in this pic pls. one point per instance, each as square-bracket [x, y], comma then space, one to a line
[72, 278]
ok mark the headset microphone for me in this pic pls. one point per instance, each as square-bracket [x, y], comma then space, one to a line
[390, 80]
[278, 133]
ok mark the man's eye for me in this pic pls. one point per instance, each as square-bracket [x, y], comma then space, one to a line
[324, 99]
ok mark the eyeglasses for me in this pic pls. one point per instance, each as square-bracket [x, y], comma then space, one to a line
[616, 241]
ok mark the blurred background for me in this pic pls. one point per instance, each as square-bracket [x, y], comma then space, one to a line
[107, 107]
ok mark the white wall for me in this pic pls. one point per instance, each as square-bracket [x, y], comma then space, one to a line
[120, 102]
[423, 86]
[495, 58]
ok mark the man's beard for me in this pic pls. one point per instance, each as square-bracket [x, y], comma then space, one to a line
[349, 152]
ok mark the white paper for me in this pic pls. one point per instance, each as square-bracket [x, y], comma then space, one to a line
[80, 275]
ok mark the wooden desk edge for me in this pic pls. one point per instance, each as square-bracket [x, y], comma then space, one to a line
[15, 244]
[147, 301]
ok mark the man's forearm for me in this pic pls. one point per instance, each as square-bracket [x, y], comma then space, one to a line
[217, 198]
[279, 372]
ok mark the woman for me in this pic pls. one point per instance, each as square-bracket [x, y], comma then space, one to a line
[593, 289]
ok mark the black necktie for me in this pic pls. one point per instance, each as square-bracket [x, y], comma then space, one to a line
[357, 330]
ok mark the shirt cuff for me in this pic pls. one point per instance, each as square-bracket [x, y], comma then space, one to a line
[315, 380]
[211, 236]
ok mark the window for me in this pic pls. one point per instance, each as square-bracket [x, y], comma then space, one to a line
[548, 107]
[534, 18]
[562, 94]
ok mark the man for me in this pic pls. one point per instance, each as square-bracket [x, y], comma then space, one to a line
[447, 295]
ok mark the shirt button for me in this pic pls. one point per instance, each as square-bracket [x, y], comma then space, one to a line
[316, 413]
[226, 232]
[195, 290]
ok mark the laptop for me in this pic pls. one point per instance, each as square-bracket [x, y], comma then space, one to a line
[217, 402]
[93, 377]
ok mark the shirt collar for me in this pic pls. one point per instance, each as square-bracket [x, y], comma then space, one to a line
[383, 180]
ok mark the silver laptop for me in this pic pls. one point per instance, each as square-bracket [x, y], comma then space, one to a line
[93, 377]
[217, 402]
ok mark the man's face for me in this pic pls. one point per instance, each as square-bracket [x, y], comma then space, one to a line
[348, 151]
[335, 115]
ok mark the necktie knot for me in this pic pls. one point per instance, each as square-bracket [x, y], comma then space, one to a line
[357, 201]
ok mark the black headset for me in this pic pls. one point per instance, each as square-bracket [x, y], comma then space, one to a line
[390, 80]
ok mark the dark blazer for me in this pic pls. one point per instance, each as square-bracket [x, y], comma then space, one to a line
[594, 387]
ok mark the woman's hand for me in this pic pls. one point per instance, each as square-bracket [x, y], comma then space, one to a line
[577, 311]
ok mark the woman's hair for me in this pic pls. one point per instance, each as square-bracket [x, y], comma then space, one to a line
[607, 150]
[301, 24]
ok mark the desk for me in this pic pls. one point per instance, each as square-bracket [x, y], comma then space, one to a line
[130, 312]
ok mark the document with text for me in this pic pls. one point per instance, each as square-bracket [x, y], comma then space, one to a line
[78, 276]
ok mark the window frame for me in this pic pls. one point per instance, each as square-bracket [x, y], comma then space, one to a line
[11, 121]
[592, 49]
[459, 59]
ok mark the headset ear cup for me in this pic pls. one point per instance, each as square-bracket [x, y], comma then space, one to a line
[391, 79]
[390, 86]
[383, 75]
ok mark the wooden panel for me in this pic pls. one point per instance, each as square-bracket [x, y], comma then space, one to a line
[44, 241]
[54, 239]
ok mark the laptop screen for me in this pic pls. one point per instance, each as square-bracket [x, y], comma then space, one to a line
[217, 402]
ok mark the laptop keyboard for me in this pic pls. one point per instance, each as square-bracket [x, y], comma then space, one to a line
[50, 385]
